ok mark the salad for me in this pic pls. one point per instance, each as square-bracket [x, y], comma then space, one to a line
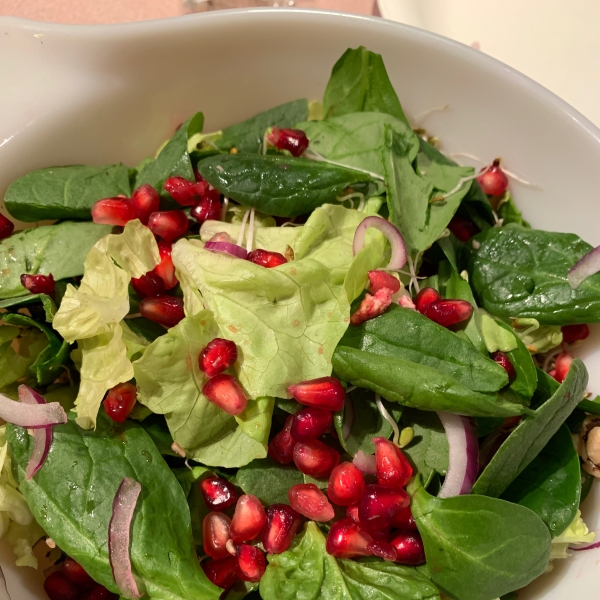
[308, 356]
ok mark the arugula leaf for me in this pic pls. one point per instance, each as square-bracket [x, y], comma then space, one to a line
[520, 272]
[531, 435]
[551, 485]
[480, 548]
[75, 505]
[360, 83]
[278, 185]
[64, 192]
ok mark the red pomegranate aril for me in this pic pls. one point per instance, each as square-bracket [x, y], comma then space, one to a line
[314, 458]
[168, 224]
[148, 285]
[218, 493]
[325, 392]
[75, 572]
[281, 447]
[282, 524]
[208, 208]
[38, 284]
[217, 356]
[266, 259]
[165, 269]
[382, 549]
[113, 211]
[145, 200]
[574, 333]
[248, 520]
[380, 279]
[346, 539]
[292, 140]
[352, 512]
[379, 504]
[502, 359]
[59, 587]
[251, 563]
[393, 469]
[346, 485]
[221, 571]
[224, 391]
[6, 227]
[184, 192]
[425, 298]
[99, 592]
[166, 310]
[311, 502]
[464, 229]
[371, 306]
[449, 312]
[562, 366]
[409, 548]
[119, 401]
[404, 519]
[311, 423]
[493, 180]
[215, 534]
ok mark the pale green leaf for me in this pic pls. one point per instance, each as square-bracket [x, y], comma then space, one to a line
[494, 337]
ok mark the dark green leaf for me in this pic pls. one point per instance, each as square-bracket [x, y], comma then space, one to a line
[64, 192]
[443, 173]
[156, 427]
[586, 484]
[509, 213]
[591, 406]
[546, 388]
[268, 480]
[289, 406]
[146, 328]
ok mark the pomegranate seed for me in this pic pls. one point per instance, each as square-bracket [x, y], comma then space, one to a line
[165, 269]
[380, 280]
[168, 224]
[562, 366]
[224, 391]
[449, 312]
[311, 423]
[99, 592]
[393, 469]
[221, 571]
[6, 227]
[209, 208]
[282, 445]
[217, 356]
[314, 458]
[464, 229]
[292, 140]
[574, 333]
[426, 297]
[502, 359]
[59, 587]
[217, 493]
[148, 285]
[166, 310]
[352, 512]
[113, 211]
[382, 549]
[346, 485]
[311, 502]
[38, 284]
[347, 540]
[215, 534]
[248, 520]
[325, 392]
[282, 524]
[379, 504]
[492, 180]
[372, 306]
[184, 192]
[266, 259]
[404, 519]
[145, 200]
[251, 563]
[409, 548]
[75, 572]
[119, 401]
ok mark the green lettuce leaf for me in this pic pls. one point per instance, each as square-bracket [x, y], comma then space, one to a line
[576, 533]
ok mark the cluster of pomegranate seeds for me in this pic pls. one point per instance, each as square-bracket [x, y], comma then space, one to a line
[38, 284]
[165, 310]
[493, 180]
[266, 259]
[148, 285]
[464, 229]
[217, 356]
[184, 192]
[443, 312]
[502, 359]
[574, 333]
[119, 401]
[561, 366]
[72, 582]
[145, 201]
[224, 391]
[168, 224]
[218, 493]
[292, 140]
[6, 227]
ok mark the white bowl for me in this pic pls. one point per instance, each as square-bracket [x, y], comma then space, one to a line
[104, 94]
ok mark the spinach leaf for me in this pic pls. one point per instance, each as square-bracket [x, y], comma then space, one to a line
[591, 406]
[306, 571]
[48, 305]
[72, 496]
[247, 136]
[268, 480]
[278, 185]
[532, 434]
[57, 249]
[13, 364]
[520, 272]
[408, 335]
[149, 330]
[64, 192]
[443, 173]
[360, 83]
[509, 213]
[550, 486]
[479, 548]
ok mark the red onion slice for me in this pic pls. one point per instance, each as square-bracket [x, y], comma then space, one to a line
[394, 237]
[463, 456]
[365, 462]
[31, 416]
[588, 547]
[348, 417]
[587, 265]
[226, 248]
[4, 595]
[119, 534]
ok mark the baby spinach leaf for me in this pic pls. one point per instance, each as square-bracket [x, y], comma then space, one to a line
[408, 335]
[57, 249]
[520, 272]
[532, 434]
[591, 406]
[438, 169]
[278, 185]
[550, 486]
[64, 192]
[509, 213]
[72, 496]
[360, 83]
[416, 385]
[479, 548]
[15, 365]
